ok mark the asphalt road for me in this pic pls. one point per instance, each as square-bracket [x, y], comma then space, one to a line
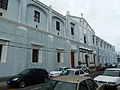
[32, 87]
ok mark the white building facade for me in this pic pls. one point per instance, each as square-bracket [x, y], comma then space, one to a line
[34, 35]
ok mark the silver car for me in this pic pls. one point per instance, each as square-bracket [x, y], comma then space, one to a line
[71, 83]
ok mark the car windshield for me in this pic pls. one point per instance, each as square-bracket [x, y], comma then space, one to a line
[58, 85]
[115, 73]
[69, 72]
[25, 71]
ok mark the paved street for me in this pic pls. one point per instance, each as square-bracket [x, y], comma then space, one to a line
[32, 87]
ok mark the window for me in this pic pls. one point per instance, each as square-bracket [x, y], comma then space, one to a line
[0, 52]
[36, 54]
[3, 51]
[93, 38]
[101, 44]
[72, 31]
[37, 16]
[91, 84]
[59, 56]
[57, 25]
[97, 43]
[3, 4]
[84, 39]
[83, 86]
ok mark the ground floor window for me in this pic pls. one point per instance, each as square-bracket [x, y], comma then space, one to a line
[36, 54]
[60, 56]
[3, 50]
[0, 52]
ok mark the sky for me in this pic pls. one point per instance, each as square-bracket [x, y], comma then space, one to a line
[102, 15]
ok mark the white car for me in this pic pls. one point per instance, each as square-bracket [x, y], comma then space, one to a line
[79, 72]
[58, 71]
[110, 76]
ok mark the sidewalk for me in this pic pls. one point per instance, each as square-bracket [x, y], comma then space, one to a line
[3, 84]
[3, 81]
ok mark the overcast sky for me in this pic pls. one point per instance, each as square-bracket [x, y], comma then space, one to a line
[102, 15]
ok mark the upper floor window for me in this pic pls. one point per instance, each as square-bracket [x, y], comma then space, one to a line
[37, 16]
[72, 31]
[85, 39]
[57, 25]
[97, 43]
[93, 37]
[3, 4]
[101, 44]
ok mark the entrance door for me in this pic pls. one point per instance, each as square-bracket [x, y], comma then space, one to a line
[86, 60]
[72, 59]
[94, 59]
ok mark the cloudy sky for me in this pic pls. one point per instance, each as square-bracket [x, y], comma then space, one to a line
[102, 15]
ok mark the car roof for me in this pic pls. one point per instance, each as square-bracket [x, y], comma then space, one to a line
[113, 69]
[36, 69]
[74, 69]
[71, 78]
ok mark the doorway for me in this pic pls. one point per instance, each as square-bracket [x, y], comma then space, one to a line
[72, 59]
[86, 60]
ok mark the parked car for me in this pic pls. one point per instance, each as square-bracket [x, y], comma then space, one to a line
[79, 72]
[84, 68]
[101, 67]
[118, 65]
[71, 83]
[114, 65]
[58, 71]
[29, 76]
[92, 69]
[108, 65]
[110, 76]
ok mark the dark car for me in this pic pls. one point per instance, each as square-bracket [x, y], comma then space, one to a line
[29, 76]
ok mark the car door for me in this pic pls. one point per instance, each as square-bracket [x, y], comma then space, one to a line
[30, 77]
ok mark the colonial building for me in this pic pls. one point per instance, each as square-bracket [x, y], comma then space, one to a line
[34, 35]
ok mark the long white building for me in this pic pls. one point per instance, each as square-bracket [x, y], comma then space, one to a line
[34, 35]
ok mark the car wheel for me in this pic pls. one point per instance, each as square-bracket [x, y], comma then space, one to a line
[22, 84]
[45, 80]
